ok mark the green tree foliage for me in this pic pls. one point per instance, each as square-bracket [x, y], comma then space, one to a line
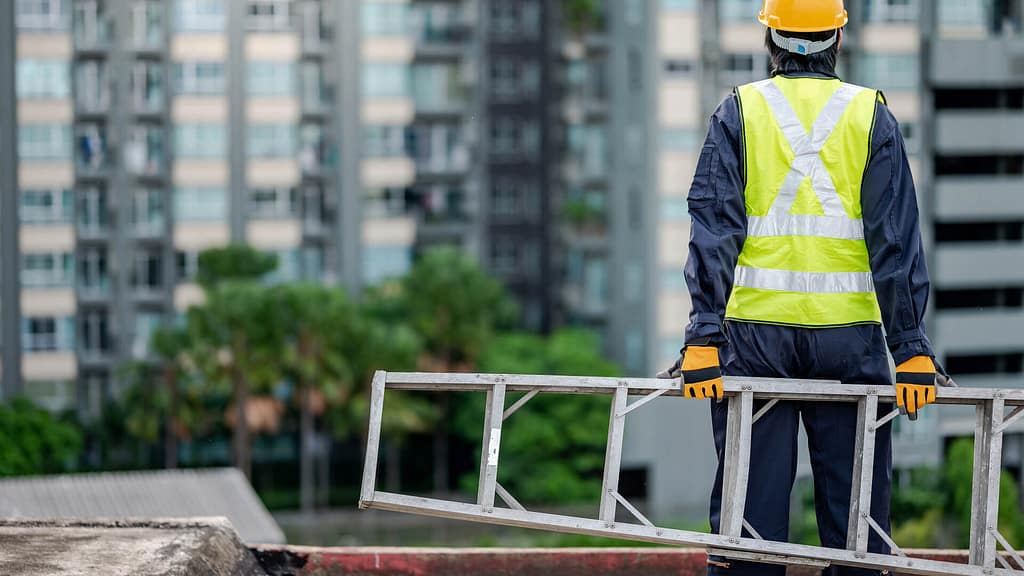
[581, 15]
[233, 262]
[553, 447]
[453, 304]
[958, 474]
[32, 441]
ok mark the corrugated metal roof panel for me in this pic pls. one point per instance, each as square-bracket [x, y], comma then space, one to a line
[147, 494]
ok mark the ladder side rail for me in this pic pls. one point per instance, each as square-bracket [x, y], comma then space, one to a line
[979, 485]
[491, 446]
[736, 469]
[613, 456]
[577, 525]
[985, 492]
[765, 388]
[858, 528]
[366, 492]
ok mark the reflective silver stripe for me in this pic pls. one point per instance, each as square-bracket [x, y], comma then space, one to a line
[804, 225]
[807, 164]
[805, 282]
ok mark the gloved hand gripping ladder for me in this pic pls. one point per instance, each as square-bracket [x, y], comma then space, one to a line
[990, 406]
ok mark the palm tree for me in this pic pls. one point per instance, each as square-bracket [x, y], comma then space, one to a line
[308, 314]
[236, 340]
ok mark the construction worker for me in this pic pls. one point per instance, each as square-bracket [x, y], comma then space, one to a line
[805, 242]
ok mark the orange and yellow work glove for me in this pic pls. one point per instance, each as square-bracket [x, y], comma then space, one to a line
[915, 385]
[701, 374]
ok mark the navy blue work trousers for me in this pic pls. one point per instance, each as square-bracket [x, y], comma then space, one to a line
[852, 355]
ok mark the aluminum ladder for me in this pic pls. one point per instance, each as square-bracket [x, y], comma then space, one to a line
[992, 420]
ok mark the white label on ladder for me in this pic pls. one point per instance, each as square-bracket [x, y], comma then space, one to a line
[492, 447]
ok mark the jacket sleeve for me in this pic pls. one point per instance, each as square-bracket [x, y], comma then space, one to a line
[718, 225]
[893, 235]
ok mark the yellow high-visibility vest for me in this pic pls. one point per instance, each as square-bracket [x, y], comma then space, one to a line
[804, 261]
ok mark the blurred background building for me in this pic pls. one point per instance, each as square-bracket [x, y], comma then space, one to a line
[553, 140]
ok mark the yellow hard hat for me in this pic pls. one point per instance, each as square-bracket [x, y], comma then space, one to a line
[803, 15]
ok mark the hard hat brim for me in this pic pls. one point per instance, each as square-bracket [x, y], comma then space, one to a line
[775, 23]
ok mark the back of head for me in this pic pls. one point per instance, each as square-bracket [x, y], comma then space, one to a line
[786, 62]
[803, 35]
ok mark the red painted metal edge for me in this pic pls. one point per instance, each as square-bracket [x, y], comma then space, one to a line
[299, 560]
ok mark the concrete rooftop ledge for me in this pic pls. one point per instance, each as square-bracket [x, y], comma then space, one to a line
[210, 546]
[178, 547]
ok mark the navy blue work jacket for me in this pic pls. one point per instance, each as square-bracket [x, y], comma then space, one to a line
[891, 229]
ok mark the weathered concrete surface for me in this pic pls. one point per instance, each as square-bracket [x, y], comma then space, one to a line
[137, 548]
[304, 561]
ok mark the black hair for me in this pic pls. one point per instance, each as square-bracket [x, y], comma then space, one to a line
[784, 61]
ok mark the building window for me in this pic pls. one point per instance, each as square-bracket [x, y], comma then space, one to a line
[147, 24]
[889, 71]
[269, 14]
[271, 141]
[47, 333]
[384, 140]
[92, 210]
[890, 10]
[46, 205]
[744, 68]
[690, 5]
[384, 262]
[385, 18]
[674, 209]
[92, 272]
[271, 78]
[95, 333]
[43, 78]
[91, 151]
[147, 86]
[437, 87]
[56, 396]
[673, 280]
[47, 270]
[199, 78]
[147, 271]
[148, 212]
[41, 14]
[199, 15]
[92, 90]
[144, 149]
[146, 322]
[288, 266]
[187, 264]
[199, 141]
[678, 69]
[385, 80]
[386, 202]
[678, 139]
[512, 136]
[588, 149]
[515, 19]
[44, 142]
[512, 198]
[273, 202]
[739, 11]
[200, 204]
[911, 138]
